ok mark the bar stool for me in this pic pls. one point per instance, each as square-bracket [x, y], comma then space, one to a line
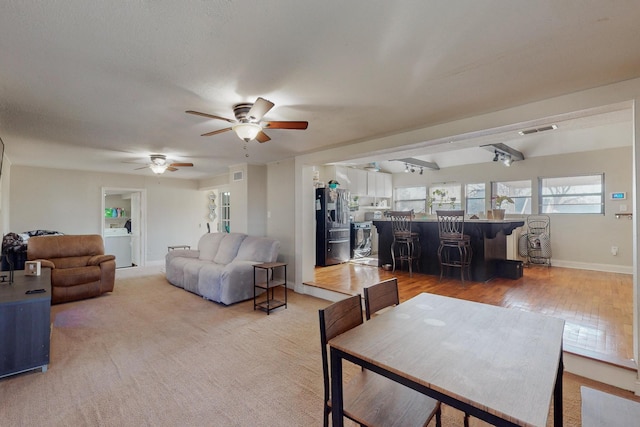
[453, 239]
[405, 241]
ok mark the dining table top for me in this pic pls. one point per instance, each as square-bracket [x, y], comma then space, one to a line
[502, 361]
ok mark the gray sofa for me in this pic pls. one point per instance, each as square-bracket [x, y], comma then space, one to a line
[221, 270]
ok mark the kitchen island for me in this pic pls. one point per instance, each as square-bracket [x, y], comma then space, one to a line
[488, 242]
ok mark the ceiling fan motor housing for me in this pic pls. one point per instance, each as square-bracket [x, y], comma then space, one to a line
[241, 111]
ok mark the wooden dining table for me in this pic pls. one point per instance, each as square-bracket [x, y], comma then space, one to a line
[501, 365]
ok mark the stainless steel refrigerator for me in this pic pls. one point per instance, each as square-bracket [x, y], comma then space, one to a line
[332, 226]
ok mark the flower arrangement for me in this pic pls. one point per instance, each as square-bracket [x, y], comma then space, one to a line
[499, 200]
[440, 196]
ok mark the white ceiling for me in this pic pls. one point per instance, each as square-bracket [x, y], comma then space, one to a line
[94, 85]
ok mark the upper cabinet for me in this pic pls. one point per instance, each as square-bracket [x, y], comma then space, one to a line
[379, 184]
[361, 182]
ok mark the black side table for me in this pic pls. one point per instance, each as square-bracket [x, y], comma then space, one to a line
[271, 282]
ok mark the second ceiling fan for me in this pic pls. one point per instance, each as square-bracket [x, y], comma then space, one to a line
[248, 124]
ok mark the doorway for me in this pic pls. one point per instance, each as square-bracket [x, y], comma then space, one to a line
[123, 222]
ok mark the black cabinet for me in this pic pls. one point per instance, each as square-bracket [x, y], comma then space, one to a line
[25, 321]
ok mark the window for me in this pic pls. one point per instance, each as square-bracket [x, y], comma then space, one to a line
[408, 198]
[518, 191]
[445, 196]
[474, 198]
[225, 211]
[572, 194]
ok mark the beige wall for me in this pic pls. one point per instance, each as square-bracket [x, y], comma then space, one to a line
[71, 202]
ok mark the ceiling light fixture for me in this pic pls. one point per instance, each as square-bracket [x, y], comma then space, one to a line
[247, 131]
[504, 153]
[421, 170]
[158, 169]
[416, 163]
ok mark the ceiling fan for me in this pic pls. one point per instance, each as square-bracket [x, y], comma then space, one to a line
[248, 124]
[159, 164]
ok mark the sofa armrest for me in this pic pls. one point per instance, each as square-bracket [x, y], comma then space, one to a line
[182, 253]
[45, 263]
[99, 259]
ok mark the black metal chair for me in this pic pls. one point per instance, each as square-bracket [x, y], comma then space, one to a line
[370, 399]
[406, 242]
[455, 246]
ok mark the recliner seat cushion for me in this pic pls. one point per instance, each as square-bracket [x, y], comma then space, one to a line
[75, 276]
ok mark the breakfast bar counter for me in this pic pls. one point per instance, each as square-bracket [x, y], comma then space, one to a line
[488, 242]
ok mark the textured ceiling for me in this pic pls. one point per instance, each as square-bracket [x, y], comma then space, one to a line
[95, 85]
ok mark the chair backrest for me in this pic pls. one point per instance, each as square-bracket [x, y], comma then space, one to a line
[336, 319]
[450, 224]
[381, 295]
[400, 222]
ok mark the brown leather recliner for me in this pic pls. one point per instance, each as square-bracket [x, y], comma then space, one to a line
[79, 267]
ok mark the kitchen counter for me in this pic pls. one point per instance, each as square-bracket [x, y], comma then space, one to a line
[488, 242]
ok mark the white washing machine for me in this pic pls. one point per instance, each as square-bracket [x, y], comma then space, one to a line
[117, 241]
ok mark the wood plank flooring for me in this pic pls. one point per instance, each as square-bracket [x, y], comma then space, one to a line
[596, 306]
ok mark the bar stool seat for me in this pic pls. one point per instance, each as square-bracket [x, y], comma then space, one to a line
[406, 243]
[455, 246]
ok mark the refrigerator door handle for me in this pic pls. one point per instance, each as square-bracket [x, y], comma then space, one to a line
[332, 242]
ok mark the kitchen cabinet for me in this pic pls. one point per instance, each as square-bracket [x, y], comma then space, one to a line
[360, 182]
[379, 184]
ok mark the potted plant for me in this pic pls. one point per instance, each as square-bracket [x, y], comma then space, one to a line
[438, 195]
[498, 212]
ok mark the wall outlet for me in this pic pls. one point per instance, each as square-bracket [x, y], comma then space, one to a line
[614, 250]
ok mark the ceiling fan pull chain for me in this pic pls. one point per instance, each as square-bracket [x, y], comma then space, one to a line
[246, 154]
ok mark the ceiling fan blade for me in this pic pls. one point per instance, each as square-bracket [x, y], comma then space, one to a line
[259, 109]
[210, 116]
[215, 132]
[262, 137]
[171, 168]
[285, 125]
[143, 167]
[180, 165]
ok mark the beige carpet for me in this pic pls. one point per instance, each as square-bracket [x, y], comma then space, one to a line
[150, 354]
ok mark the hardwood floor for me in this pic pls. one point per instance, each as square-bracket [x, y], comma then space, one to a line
[596, 306]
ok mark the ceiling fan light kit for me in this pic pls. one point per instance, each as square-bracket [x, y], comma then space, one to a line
[158, 169]
[247, 131]
[159, 164]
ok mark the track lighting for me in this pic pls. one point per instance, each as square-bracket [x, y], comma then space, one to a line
[497, 156]
[412, 165]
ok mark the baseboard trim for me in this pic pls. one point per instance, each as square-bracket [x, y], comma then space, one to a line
[608, 268]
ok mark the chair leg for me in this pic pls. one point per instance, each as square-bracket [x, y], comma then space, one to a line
[393, 255]
[327, 411]
[439, 417]
[440, 261]
[466, 420]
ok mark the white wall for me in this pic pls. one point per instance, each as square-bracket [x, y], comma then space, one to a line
[71, 202]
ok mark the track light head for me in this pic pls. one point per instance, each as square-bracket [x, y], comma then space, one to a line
[497, 156]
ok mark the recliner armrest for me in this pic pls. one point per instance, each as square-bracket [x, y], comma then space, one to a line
[45, 263]
[99, 259]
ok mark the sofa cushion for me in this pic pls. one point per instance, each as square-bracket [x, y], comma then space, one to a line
[229, 248]
[209, 245]
[258, 249]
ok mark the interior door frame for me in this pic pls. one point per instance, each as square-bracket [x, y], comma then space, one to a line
[142, 220]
